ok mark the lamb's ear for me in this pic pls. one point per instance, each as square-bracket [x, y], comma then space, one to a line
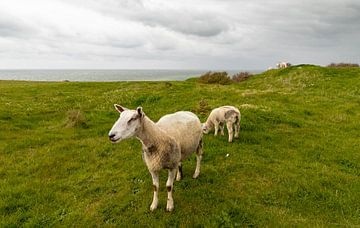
[140, 111]
[119, 108]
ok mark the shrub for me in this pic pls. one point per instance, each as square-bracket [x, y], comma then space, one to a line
[241, 76]
[343, 65]
[75, 118]
[215, 78]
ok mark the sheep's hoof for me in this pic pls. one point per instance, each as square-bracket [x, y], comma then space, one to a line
[169, 208]
[153, 207]
[196, 175]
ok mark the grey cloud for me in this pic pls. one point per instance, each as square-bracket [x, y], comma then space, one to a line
[121, 43]
[191, 23]
[11, 27]
[184, 20]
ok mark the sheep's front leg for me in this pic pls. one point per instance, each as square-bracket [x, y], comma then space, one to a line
[169, 187]
[155, 179]
[216, 126]
[222, 128]
[229, 126]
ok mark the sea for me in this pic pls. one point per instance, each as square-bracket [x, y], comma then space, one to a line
[104, 75]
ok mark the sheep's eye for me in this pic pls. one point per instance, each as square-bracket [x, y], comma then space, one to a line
[130, 120]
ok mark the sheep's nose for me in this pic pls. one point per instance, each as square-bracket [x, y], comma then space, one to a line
[111, 136]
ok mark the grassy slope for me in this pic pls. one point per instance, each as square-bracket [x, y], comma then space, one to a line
[297, 160]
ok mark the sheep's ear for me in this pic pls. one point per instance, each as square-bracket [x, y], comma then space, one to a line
[119, 108]
[140, 111]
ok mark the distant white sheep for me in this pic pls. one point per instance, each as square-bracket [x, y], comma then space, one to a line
[218, 117]
[281, 65]
[164, 144]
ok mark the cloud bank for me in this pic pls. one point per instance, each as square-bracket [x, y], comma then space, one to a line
[204, 34]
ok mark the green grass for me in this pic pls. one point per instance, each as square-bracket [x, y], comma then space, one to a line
[297, 161]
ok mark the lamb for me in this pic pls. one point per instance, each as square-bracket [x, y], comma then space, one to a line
[219, 116]
[283, 65]
[164, 144]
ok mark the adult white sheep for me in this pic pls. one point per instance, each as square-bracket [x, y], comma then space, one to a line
[164, 144]
[218, 117]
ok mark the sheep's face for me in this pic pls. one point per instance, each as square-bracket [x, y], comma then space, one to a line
[127, 125]
[205, 129]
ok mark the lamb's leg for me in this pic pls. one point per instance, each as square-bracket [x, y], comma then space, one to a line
[216, 126]
[222, 128]
[199, 152]
[169, 187]
[155, 179]
[229, 126]
[179, 174]
[237, 127]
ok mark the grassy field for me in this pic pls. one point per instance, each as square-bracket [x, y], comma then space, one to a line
[297, 160]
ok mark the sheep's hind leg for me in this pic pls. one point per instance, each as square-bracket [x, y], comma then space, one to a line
[179, 174]
[169, 187]
[155, 179]
[237, 127]
[199, 152]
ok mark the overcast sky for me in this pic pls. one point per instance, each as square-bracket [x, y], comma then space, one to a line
[173, 34]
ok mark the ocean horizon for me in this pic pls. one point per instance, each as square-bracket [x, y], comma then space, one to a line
[88, 75]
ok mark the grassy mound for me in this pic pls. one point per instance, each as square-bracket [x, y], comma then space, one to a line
[296, 161]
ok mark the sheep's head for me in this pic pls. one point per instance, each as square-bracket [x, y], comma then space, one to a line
[127, 125]
[205, 128]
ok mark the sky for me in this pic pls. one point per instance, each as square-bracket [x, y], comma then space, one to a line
[173, 34]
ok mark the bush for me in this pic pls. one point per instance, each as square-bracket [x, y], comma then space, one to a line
[343, 65]
[241, 76]
[221, 78]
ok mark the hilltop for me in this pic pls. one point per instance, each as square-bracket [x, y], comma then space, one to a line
[296, 162]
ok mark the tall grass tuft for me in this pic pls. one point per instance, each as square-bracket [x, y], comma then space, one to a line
[75, 118]
[202, 108]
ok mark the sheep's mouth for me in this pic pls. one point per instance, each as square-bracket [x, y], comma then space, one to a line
[115, 140]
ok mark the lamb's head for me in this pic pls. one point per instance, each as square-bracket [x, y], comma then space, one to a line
[128, 124]
[205, 128]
